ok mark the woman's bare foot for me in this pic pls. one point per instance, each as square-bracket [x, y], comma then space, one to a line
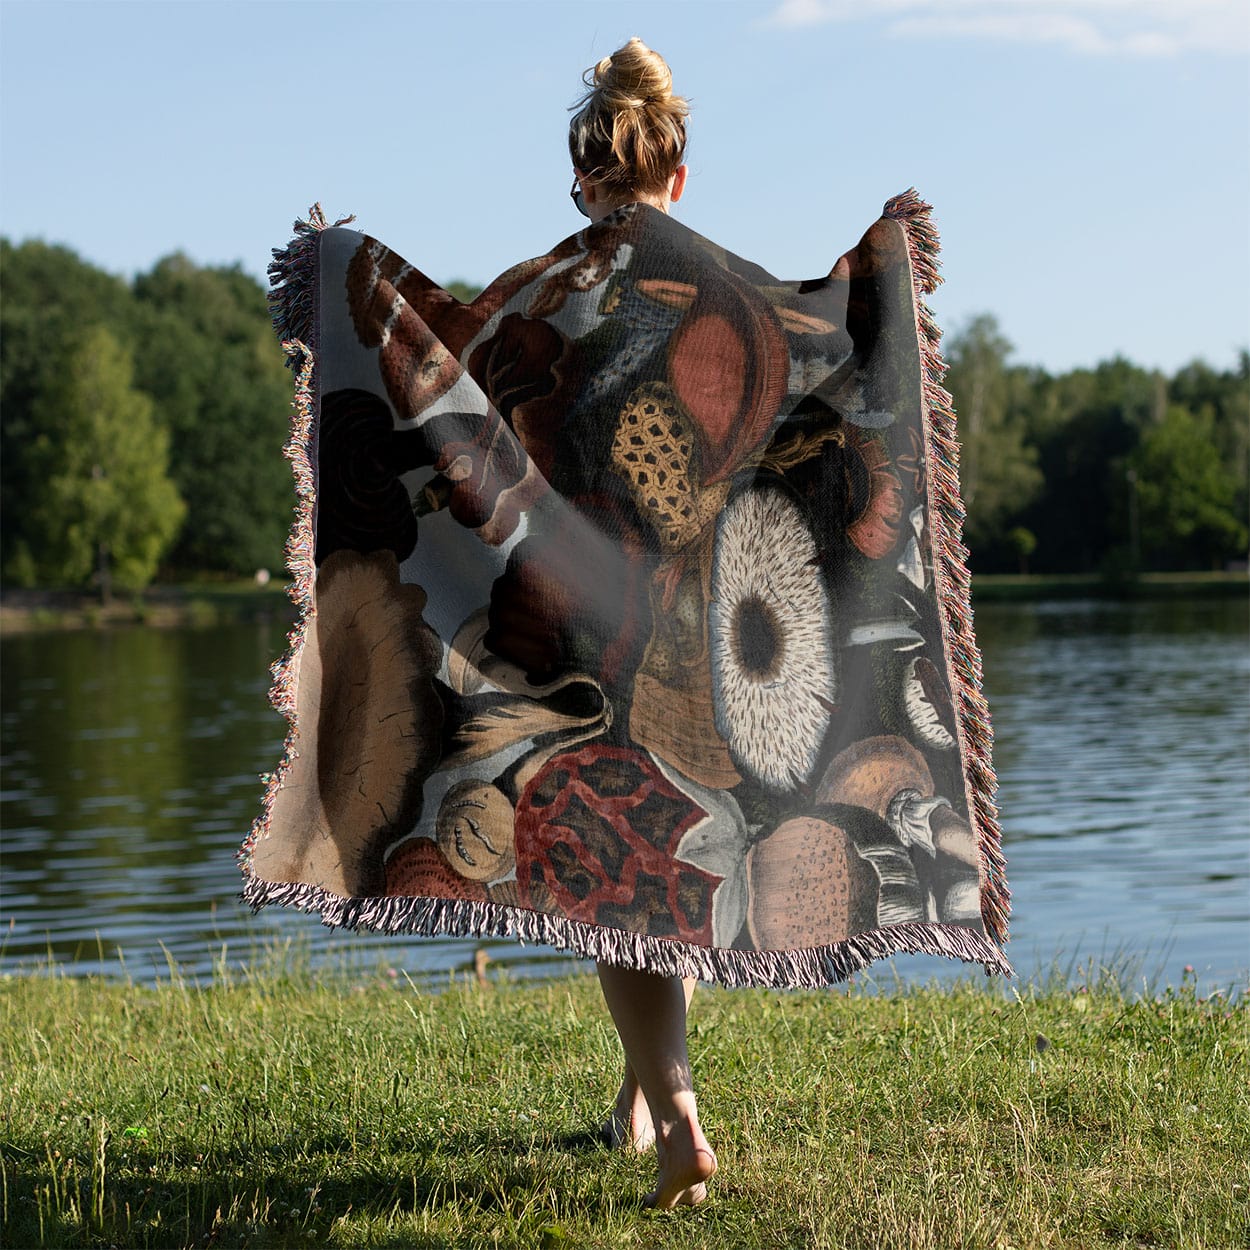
[686, 1165]
[629, 1126]
[649, 1012]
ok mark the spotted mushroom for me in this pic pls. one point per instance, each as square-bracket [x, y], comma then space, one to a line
[807, 885]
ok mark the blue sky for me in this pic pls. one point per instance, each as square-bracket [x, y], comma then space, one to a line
[1089, 160]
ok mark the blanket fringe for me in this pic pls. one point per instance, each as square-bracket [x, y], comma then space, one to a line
[811, 968]
[293, 280]
[293, 305]
[947, 514]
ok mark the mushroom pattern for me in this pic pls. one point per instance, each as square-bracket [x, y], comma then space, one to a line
[957, 881]
[672, 714]
[887, 778]
[870, 775]
[606, 823]
[808, 885]
[418, 869]
[874, 497]
[367, 683]
[911, 564]
[474, 830]
[536, 898]
[716, 843]
[928, 704]
[873, 772]
[774, 678]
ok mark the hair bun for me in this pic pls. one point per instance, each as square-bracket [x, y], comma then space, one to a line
[633, 77]
[630, 129]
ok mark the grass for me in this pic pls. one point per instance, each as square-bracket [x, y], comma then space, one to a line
[193, 603]
[291, 1109]
[1029, 587]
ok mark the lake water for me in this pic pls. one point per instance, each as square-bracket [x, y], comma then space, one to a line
[130, 762]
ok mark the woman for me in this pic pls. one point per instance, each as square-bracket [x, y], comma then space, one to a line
[635, 619]
[628, 143]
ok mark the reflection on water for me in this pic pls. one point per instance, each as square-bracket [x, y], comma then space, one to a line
[131, 762]
[1123, 733]
[131, 758]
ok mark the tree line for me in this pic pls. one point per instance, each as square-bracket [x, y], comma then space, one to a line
[142, 424]
[1113, 470]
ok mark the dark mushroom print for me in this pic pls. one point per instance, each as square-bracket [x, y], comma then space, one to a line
[634, 612]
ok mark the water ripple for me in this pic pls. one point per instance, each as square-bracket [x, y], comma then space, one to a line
[131, 764]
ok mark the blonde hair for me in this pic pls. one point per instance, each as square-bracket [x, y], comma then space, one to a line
[629, 133]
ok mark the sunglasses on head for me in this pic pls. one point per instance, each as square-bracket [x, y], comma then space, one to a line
[578, 199]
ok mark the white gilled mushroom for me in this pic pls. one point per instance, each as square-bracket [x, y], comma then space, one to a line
[774, 679]
[928, 704]
[888, 776]
[475, 830]
[908, 815]
[466, 653]
[910, 564]
[960, 901]
[953, 836]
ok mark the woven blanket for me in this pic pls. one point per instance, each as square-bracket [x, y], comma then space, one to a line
[634, 616]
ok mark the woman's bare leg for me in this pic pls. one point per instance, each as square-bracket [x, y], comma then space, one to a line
[650, 1015]
[629, 1124]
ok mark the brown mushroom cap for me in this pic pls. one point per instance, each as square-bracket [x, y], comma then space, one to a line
[807, 886]
[869, 773]
[369, 729]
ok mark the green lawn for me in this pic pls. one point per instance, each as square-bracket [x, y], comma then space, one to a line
[293, 1110]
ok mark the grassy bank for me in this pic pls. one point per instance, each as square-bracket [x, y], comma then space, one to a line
[291, 1111]
[190, 603]
[1003, 587]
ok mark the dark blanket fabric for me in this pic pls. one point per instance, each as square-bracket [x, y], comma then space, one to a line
[634, 614]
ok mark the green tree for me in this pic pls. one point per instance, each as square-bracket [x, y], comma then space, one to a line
[105, 506]
[1186, 495]
[208, 356]
[997, 467]
[465, 292]
[51, 299]
[1085, 427]
[1024, 543]
[1222, 398]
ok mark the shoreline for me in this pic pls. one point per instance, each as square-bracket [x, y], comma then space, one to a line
[1035, 587]
[171, 606]
[290, 965]
[204, 604]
